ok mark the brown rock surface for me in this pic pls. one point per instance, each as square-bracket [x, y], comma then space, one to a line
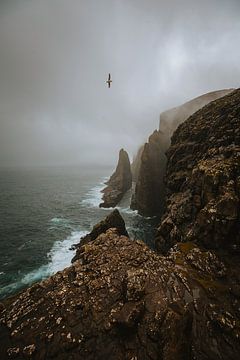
[203, 179]
[122, 301]
[119, 182]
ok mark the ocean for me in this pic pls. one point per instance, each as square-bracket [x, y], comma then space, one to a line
[44, 211]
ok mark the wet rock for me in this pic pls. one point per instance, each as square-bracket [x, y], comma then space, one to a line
[119, 182]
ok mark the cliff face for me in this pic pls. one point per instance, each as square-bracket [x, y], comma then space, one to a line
[150, 162]
[203, 179]
[149, 191]
[119, 182]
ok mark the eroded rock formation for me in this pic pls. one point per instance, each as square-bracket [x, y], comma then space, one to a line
[148, 196]
[119, 182]
[203, 178]
[120, 300]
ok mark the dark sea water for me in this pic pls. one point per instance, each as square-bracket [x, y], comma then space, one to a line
[43, 211]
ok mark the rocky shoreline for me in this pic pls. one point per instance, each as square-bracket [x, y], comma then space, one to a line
[121, 300]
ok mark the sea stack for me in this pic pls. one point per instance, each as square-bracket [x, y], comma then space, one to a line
[119, 182]
[149, 191]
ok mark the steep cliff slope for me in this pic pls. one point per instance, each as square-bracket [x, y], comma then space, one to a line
[148, 198]
[203, 178]
[119, 182]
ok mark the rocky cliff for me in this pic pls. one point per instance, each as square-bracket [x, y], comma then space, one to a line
[149, 198]
[172, 118]
[119, 182]
[120, 300]
[149, 191]
[203, 178]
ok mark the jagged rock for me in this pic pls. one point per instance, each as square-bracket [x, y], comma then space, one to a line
[121, 300]
[113, 220]
[149, 190]
[203, 179]
[119, 182]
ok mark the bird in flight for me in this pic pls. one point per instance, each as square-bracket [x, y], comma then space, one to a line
[109, 81]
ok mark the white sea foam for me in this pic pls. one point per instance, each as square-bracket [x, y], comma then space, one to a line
[59, 257]
[94, 196]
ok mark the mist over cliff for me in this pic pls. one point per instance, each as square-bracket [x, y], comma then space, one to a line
[55, 107]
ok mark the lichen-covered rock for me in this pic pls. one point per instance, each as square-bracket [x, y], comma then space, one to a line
[113, 220]
[149, 190]
[119, 182]
[122, 301]
[203, 179]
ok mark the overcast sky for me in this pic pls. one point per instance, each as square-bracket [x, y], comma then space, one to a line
[55, 55]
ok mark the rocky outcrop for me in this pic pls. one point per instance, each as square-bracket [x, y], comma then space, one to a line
[122, 301]
[113, 220]
[149, 195]
[203, 179]
[149, 190]
[119, 182]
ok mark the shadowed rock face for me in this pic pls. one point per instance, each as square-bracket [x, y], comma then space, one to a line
[119, 182]
[149, 190]
[113, 220]
[120, 300]
[203, 179]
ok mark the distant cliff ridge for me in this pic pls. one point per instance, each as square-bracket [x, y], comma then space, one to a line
[172, 118]
[119, 182]
[150, 163]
